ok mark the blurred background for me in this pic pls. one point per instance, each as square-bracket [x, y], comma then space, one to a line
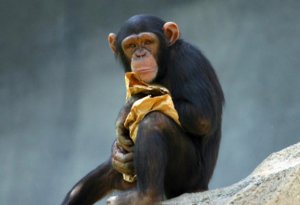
[61, 88]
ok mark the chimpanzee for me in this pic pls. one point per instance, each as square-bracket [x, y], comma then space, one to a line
[168, 159]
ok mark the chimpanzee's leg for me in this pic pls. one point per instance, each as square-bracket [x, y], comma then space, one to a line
[93, 186]
[167, 162]
[96, 185]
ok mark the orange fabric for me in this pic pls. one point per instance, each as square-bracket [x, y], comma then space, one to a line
[161, 101]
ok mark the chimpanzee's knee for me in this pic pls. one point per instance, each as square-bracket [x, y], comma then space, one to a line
[155, 122]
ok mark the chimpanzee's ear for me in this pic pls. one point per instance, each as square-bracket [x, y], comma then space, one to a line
[171, 31]
[112, 39]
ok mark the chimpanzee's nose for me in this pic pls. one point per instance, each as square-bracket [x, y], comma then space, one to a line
[140, 53]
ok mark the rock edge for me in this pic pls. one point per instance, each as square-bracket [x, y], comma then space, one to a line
[275, 181]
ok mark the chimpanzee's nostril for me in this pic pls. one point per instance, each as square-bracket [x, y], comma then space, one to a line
[140, 53]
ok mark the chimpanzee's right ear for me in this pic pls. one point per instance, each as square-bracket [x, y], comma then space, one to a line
[112, 39]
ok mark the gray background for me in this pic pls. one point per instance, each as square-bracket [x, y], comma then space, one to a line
[61, 88]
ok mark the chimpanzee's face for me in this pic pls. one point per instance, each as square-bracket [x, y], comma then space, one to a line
[141, 50]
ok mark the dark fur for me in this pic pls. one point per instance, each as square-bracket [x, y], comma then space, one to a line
[169, 159]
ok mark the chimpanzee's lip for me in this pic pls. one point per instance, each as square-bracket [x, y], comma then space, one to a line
[144, 70]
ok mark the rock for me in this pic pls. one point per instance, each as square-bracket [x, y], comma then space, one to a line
[275, 181]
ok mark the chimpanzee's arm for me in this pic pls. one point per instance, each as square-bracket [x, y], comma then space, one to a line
[198, 120]
[93, 186]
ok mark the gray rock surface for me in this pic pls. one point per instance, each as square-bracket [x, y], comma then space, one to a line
[275, 181]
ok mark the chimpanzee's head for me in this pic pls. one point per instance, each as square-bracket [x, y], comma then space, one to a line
[142, 45]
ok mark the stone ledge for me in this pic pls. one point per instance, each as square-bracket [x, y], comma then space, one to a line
[275, 181]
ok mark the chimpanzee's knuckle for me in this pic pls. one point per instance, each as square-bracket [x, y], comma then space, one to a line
[127, 157]
[123, 142]
[118, 166]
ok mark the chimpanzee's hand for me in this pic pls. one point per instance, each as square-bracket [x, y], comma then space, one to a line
[122, 150]
[122, 160]
[122, 133]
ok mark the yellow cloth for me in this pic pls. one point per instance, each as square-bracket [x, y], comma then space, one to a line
[158, 99]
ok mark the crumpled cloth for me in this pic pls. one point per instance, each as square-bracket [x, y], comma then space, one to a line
[157, 98]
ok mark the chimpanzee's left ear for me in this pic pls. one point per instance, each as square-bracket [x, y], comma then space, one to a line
[171, 32]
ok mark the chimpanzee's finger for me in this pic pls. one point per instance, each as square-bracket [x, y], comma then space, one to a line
[128, 145]
[125, 168]
[123, 158]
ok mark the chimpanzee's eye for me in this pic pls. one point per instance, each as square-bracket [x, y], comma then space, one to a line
[132, 45]
[147, 42]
